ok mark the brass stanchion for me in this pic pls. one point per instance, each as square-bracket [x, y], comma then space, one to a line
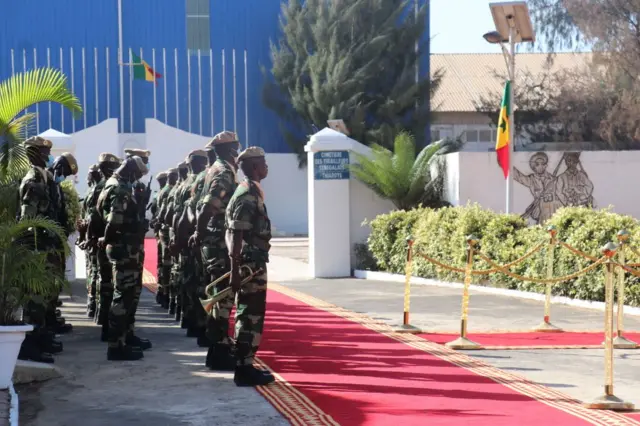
[546, 325]
[406, 327]
[463, 342]
[609, 401]
[621, 342]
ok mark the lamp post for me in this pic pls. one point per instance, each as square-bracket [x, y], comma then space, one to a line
[513, 25]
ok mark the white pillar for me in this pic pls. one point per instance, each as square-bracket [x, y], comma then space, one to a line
[329, 222]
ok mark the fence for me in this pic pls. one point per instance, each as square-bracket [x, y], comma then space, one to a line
[613, 269]
[199, 92]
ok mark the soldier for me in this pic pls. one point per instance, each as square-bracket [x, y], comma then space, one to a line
[175, 307]
[35, 201]
[91, 258]
[197, 161]
[249, 236]
[142, 194]
[162, 182]
[165, 259]
[107, 163]
[63, 166]
[220, 183]
[122, 217]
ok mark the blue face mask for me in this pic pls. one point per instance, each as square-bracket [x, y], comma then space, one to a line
[50, 160]
[149, 166]
[59, 179]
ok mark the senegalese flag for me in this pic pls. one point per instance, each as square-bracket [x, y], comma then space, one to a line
[502, 142]
[142, 70]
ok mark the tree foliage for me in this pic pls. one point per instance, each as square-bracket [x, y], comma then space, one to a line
[355, 60]
[403, 176]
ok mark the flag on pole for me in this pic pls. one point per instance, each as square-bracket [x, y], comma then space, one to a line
[142, 70]
[502, 142]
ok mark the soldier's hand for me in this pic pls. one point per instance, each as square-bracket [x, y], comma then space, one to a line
[101, 243]
[194, 240]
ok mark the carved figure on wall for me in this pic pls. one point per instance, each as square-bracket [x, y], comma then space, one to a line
[551, 191]
[542, 185]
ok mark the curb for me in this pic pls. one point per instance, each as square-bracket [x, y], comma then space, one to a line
[386, 276]
[14, 418]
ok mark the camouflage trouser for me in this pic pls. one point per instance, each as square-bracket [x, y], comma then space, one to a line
[136, 300]
[104, 289]
[250, 309]
[125, 261]
[193, 289]
[165, 260]
[93, 274]
[216, 261]
[159, 257]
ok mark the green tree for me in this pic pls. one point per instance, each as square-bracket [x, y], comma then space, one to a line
[23, 271]
[354, 60]
[406, 179]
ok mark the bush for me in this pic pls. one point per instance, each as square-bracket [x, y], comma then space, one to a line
[441, 234]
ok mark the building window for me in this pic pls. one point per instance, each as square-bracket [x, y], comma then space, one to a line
[198, 27]
[480, 135]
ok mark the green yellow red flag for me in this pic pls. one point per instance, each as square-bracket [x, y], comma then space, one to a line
[503, 141]
[142, 70]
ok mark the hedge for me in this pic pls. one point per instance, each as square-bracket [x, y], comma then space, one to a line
[441, 234]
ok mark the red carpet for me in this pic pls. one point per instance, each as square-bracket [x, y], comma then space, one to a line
[530, 340]
[339, 368]
[151, 256]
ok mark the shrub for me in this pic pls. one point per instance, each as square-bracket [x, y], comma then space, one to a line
[441, 234]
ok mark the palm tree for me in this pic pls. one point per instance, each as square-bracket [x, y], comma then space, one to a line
[406, 179]
[23, 271]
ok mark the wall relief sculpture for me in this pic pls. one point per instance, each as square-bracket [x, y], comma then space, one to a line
[571, 187]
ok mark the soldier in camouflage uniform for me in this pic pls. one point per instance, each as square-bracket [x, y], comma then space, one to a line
[141, 194]
[220, 183]
[249, 236]
[35, 201]
[200, 276]
[165, 259]
[162, 182]
[175, 304]
[107, 163]
[197, 161]
[91, 258]
[122, 217]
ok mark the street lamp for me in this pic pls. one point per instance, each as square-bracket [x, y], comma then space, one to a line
[513, 25]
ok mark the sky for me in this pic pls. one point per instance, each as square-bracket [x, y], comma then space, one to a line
[457, 26]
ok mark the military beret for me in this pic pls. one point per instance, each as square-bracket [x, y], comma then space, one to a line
[196, 153]
[38, 142]
[142, 153]
[94, 168]
[183, 165]
[142, 168]
[105, 157]
[161, 175]
[71, 160]
[172, 171]
[223, 137]
[251, 152]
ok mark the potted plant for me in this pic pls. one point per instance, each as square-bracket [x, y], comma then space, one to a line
[24, 272]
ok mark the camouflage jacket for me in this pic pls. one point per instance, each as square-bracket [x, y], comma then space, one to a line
[91, 213]
[118, 207]
[196, 191]
[87, 196]
[248, 213]
[35, 196]
[182, 195]
[220, 184]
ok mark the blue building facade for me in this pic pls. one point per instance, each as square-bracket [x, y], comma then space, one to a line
[209, 53]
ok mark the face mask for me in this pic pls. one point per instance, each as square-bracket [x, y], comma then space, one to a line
[50, 160]
[149, 166]
[59, 179]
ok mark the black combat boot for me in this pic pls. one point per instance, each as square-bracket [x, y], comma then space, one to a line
[220, 358]
[46, 341]
[124, 353]
[133, 340]
[30, 351]
[58, 303]
[248, 375]
[159, 297]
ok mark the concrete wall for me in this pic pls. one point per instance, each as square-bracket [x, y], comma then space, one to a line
[476, 177]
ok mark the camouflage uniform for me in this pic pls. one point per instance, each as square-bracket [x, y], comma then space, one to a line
[174, 284]
[164, 255]
[141, 195]
[118, 207]
[154, 217]
[220, 184]
[91, 257]
[248, 213]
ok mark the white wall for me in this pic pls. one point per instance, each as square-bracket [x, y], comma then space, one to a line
[285, 188]
[476, 177]
[89, 144]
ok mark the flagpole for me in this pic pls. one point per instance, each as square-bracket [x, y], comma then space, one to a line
[512, 122]
[120, 65]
